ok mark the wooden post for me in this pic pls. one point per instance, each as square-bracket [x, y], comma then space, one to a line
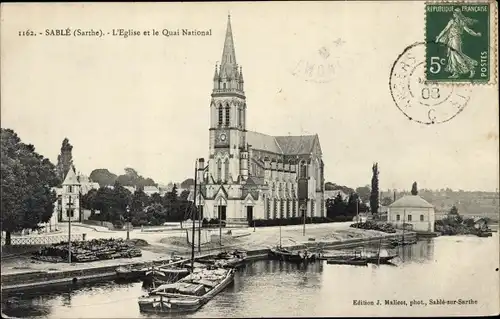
[199, 228]
[194, 210]
[304, 213]
[69, 229]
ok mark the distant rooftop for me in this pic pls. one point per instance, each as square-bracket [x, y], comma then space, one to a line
[411, 201]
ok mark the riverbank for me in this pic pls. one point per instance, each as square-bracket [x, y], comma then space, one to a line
[40, 274]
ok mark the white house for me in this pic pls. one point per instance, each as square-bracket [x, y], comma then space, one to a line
[69, 197]
[414, 210]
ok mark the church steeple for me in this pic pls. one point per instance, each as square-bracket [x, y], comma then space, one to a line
[228, 77]
[228, 61]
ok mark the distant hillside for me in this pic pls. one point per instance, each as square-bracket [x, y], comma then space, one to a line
[467, 202]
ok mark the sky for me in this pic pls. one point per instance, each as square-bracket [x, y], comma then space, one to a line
[143, 101]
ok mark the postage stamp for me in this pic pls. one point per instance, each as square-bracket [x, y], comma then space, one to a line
[464, 30]
[421, 101]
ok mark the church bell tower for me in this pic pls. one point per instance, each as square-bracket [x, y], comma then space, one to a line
[228, 150]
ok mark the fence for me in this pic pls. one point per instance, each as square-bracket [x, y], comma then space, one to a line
[41, 240]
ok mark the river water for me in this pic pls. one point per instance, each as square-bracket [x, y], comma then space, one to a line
[450, 268]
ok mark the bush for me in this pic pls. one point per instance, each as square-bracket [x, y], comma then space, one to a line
[288, 221]
[118, 224]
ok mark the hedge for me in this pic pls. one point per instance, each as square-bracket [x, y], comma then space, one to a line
[296, 221]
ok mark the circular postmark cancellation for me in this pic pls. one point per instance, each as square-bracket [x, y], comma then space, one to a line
[419, 100]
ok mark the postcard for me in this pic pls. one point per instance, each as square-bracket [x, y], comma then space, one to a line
[249, 159]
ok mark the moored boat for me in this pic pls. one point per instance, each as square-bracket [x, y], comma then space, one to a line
[130, 272]
[402, 242]
[164, 274]
[484, 234]
[233, 259]
[189, 293]
[280, 253]
[352, 262]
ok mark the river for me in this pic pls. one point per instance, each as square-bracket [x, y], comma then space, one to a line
[450, 268]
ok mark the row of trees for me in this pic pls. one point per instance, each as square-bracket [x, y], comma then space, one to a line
[27, 178]
[338, 209]
[118, 205]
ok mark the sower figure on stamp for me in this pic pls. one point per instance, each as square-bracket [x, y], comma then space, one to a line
[458, 62]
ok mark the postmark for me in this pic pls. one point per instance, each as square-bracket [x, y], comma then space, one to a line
[464, 30]
[321, 66]
[419, 100]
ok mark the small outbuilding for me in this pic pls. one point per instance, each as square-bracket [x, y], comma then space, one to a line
[414, 210]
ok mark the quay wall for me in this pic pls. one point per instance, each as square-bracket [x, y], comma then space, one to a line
[42, 279]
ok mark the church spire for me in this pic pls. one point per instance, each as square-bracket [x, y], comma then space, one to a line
[228, 61]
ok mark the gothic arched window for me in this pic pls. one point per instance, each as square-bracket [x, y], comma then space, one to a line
[318, 174]
[219, 170]
[227, 115]
[238, 117]
[303, 170]
[220, 115]
[226, 170]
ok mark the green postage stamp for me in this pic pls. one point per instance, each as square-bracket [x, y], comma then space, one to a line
[458, 47]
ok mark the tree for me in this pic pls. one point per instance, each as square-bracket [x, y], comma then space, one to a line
[103, 177]
[364, 193]
[104, 202]
[336, 208]
[374, 192]
[414, 189]
[132, 178]
[352, 207]
[329, 186]
[386, 201]
[454, 210]
[121, 199]
[27, 178]
[171, 204]
[184, 194]
[187, 183]
[64, 160]
[89, 200]
[139, 200]
[156, 198]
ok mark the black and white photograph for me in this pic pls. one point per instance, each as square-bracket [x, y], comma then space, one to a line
[249, 159]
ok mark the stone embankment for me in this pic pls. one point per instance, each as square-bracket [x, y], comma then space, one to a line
[95, 271]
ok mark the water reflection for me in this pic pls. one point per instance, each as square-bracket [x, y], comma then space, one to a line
[274, 288]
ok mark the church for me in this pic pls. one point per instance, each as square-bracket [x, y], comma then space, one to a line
[251, 175]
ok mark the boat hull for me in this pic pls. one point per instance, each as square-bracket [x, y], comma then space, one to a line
[180, 302]
[396, 243]
[290, 256]
[162, 275]
[160, 304]
[351, 262]
[123, 273]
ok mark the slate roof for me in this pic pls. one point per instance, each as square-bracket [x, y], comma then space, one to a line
[253, 192]
[411, 201]
[286, 145]
[254, 180]
[263, 142]
[296, 145]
